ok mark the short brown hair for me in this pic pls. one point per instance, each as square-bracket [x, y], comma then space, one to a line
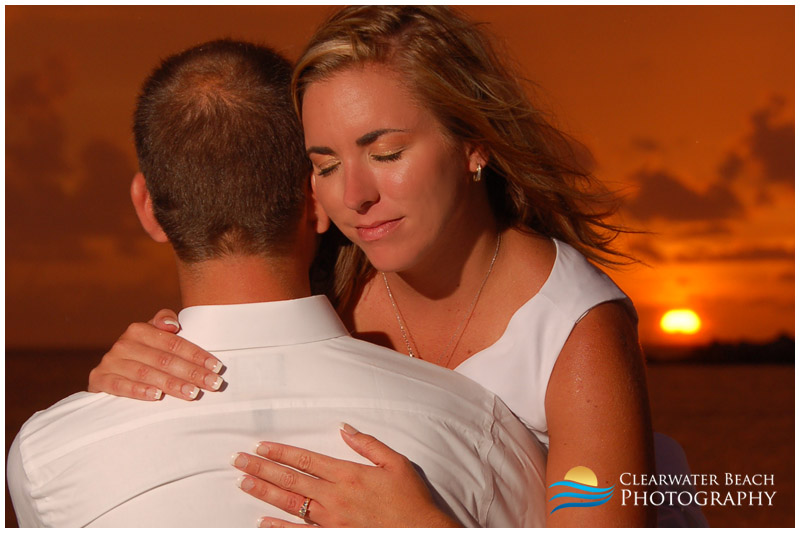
[222, 150]
[533, 177]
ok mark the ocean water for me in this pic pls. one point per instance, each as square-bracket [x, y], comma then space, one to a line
[736, 419]
[732, 419]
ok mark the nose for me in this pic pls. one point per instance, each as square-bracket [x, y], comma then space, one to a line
[360, 191]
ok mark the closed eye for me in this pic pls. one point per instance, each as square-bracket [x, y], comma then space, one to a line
[324, 171]
[388, 157]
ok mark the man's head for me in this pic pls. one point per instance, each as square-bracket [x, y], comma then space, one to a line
[221, 151]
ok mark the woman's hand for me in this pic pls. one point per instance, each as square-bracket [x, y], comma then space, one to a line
[343, 493]
[149, 360]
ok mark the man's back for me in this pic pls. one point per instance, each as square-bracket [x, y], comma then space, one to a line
[293, 375]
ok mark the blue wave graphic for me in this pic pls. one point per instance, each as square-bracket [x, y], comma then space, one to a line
[580, 504]
[582, 495]
[598, 495]
[581, 486]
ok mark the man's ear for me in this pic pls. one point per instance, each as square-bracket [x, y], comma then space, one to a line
[143, 205]
[321, 219]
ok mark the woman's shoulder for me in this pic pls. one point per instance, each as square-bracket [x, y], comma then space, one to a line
[529, 260]
[530, 251]
[557, 273]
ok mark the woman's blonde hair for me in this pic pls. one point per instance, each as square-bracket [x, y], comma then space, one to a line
[533, 178]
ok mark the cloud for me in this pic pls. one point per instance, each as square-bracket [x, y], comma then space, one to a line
[772, 145]
[76, 258]
[662, 195]
[645, 144]
[35, 132]
[58, 198]
[645, 251]
[731, 167]
[106, 174]
[743, 254]
[48, 219]
[715, 228]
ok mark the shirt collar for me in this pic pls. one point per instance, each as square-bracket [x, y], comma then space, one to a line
[254, 325]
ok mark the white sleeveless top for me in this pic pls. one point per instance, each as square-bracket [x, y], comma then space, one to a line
[517, 367]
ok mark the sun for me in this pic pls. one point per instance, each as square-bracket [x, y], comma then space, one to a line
[680, 321]
[581, 474]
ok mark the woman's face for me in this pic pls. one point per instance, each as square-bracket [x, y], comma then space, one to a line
[384, 171]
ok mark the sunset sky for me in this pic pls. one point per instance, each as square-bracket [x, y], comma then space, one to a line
[688, 111]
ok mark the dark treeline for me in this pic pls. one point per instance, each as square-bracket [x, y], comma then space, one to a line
[780, 351]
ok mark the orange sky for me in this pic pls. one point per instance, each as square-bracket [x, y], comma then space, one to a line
[688, 110]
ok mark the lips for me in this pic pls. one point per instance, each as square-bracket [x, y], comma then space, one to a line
[377, 230]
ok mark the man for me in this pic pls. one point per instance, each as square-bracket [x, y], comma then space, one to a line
[224, 181]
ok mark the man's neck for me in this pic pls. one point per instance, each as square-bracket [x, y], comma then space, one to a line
[242, 279]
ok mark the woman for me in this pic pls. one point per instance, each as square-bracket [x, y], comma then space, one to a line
[469, 223]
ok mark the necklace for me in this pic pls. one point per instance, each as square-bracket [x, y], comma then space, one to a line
[462, 326]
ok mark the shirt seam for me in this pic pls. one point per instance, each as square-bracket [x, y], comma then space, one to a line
[245, 405]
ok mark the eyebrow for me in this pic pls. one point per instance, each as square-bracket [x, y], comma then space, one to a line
[372, 136]
[322, 150]
[364, 140]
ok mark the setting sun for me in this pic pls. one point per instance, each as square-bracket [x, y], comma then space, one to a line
[683, 321]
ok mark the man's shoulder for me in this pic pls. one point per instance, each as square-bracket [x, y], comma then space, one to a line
[393, 366]
[78, 420]
[384, 376]
[45, 436]
[66, 407]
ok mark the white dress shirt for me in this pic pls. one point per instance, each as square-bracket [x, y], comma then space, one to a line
[293, 374]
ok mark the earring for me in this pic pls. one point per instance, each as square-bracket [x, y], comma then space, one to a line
[477, 176]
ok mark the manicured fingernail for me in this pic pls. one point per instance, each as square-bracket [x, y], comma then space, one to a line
[245, 483]
[190, 390]
[239, 460]
[262, 449]
[154, 394]
[214, 382]
[214, 365]
[171, 322]
[261, 522]
[347, 428]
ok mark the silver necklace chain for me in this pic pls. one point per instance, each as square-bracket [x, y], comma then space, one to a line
[462, 326]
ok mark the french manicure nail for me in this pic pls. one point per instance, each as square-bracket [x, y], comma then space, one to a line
[214, 365]
[154, 394]
[261, 521]
[239, 460]
[190, 390]
[245, 483]
[214, 382]
[347, 428]
[262, 449]
[171, 322]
